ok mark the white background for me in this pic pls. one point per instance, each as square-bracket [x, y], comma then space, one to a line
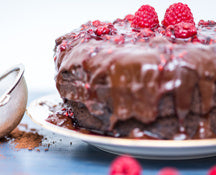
[28, 29]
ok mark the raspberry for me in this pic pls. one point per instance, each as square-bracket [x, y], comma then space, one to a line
[145, 17]
[101, 30]
[125, 165]
[209, 23]
[212, 171]
[177, 13]
[104, 29]
[184, 30]
[96, 23]
[181, 30]
[129, 17]
[168, 171]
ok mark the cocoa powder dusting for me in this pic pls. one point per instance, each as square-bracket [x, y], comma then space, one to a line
[22, 139]
[25, 137]
[25, 140]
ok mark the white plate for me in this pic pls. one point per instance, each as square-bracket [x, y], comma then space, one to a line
[150, 149]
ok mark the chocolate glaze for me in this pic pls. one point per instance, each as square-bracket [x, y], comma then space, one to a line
[128, 72]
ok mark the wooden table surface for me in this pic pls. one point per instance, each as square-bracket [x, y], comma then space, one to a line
[79, 158]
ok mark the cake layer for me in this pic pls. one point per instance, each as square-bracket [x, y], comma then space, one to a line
[75, 116]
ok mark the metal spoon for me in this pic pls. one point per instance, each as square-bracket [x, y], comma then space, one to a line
[13, 98]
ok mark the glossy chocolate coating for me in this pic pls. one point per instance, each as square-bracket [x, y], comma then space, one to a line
[127, 72]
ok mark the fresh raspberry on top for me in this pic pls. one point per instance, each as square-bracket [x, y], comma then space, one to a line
[125, 165]
[177, 13]
[145, 17]
[212, 171]
[168, 171]
[184, 30]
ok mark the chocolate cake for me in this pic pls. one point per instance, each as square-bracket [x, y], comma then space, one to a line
[135, 78]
